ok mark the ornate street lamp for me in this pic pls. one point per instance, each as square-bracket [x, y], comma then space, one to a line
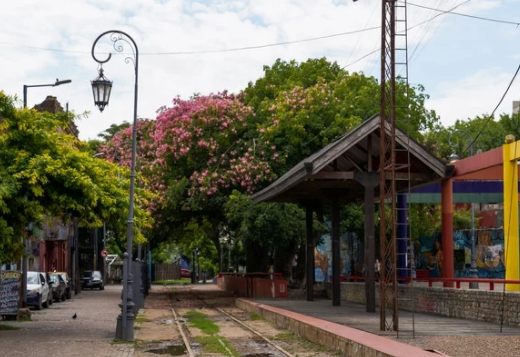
[101, 88]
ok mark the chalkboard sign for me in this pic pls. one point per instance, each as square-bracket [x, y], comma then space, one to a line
[10, 282]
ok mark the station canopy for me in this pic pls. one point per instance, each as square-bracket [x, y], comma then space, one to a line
[341, 169]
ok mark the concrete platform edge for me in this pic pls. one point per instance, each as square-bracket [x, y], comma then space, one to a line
[348, 340]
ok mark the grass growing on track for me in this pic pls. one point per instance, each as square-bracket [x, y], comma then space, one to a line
[8, 328]
[202, 322]
[181, 281]
[212, 343]
[255, 316]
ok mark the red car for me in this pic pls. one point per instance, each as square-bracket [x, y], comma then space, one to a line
[185, 273]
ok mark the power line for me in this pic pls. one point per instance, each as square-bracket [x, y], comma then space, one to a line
[224, 50]
[362, 57]
[428, 27]
[283, 43]
[443, 12]
[467, 15]
[262, 46]
[494, 110]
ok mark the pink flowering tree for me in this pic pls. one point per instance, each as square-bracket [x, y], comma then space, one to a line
[208, 140]
[193, 156]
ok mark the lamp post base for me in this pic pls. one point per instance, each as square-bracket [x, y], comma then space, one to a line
[473, 273]
[128, 333]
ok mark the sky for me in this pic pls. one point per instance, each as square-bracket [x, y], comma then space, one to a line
[188, 47]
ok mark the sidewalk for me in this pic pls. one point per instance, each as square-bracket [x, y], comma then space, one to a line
[455, 337]
[53, 331]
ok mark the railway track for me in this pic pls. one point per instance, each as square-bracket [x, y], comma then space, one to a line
[259, 345]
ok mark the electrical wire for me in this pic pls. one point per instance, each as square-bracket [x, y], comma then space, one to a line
[254, 47]
[358, 40]
[491, 116]
[362, 58]
[274, 44]
[194, 52]
[418, 44]
[467, 15]
[444, 12]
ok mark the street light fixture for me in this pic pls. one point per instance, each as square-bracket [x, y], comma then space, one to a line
[55, 84]
[101, 88]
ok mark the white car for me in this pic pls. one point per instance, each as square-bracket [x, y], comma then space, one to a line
[38, 291]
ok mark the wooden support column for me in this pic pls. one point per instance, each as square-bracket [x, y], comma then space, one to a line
[309, 253]
[369, 180]
[447, 230]
[370, 244]
[336, 294]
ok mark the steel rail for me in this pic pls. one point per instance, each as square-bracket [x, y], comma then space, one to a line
[183, 335]
[243, 324]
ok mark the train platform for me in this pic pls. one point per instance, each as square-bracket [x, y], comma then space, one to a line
[356, 332]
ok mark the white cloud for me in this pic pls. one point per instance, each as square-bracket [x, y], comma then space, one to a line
[474, 95]
[165, 26]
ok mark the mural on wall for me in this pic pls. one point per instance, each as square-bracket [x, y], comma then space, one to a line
[351, 257]
[322, 257]
[489, 253]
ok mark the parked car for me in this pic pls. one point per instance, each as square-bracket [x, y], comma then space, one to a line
[58, 287]
[92, 279]
[38, 290]
[185, 273]
[68, 283]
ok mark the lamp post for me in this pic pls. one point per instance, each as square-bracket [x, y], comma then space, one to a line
[222, 240]
[101, 88]
[55, 84]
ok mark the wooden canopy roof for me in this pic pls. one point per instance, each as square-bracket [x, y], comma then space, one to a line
[339, 169]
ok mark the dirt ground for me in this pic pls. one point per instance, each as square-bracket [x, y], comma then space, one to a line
[157, 329]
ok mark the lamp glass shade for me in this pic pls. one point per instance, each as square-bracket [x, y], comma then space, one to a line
[101, 88]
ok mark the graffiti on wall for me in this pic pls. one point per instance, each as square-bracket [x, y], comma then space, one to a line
[351, 257]
[489, 244]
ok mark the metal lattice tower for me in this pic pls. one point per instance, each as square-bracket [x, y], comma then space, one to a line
[387, 187]
[395, 244]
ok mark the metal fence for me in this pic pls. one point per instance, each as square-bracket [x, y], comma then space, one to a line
[167, 271]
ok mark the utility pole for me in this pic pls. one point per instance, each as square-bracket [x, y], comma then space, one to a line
[387, 189]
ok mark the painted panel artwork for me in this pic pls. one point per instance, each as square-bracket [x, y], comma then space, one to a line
[10, 283]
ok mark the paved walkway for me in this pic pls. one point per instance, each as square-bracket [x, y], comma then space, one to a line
[53, 331]
[354, 315]
[455, 337]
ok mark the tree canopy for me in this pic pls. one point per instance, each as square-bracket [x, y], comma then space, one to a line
[45, 172]
[202, 156]
[301, 107]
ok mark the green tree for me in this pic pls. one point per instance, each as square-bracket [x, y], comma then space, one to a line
[301, 107]
[44, 173]
[468, 137]
[270, 233]
[109, 133]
